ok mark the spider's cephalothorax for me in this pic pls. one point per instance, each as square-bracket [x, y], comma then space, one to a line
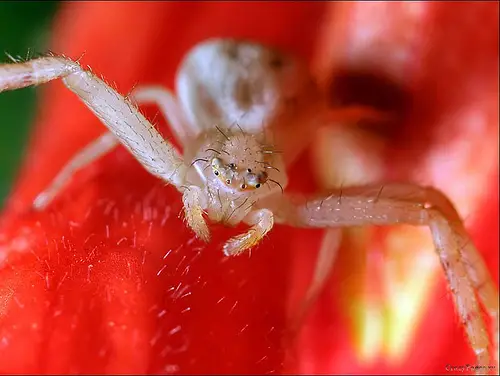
[237, 169]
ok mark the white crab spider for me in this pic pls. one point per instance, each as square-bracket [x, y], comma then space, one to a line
[239, 102]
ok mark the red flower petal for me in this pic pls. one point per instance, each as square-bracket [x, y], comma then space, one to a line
[111, 280]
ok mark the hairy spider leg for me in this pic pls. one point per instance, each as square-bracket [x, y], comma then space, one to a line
[410, 204]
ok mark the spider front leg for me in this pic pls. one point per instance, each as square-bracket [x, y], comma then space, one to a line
[119, 115]
[106, 142]
[261, 222]
[467, 274]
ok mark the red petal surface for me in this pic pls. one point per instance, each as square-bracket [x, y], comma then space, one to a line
[112, 281]
[109, 279]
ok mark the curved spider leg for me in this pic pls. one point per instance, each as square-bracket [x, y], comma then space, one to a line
[325, 261]
[295, 135]
[420, 206]
[170, 108]
[84, 157]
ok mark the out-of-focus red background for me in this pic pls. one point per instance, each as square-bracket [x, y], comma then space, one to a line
[109, 279]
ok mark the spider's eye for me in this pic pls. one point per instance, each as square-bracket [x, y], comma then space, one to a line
[228, 181]
[255, 180]
[249, 170]
[243, 186]
[216, 173]
[216, 162]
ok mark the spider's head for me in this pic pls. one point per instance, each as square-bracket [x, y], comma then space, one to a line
[238, 164]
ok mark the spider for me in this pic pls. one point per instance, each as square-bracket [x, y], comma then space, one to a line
[243, 112]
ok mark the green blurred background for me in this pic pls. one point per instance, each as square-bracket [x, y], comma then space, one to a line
[24, 28]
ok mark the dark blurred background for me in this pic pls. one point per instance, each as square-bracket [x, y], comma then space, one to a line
[24, 30]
